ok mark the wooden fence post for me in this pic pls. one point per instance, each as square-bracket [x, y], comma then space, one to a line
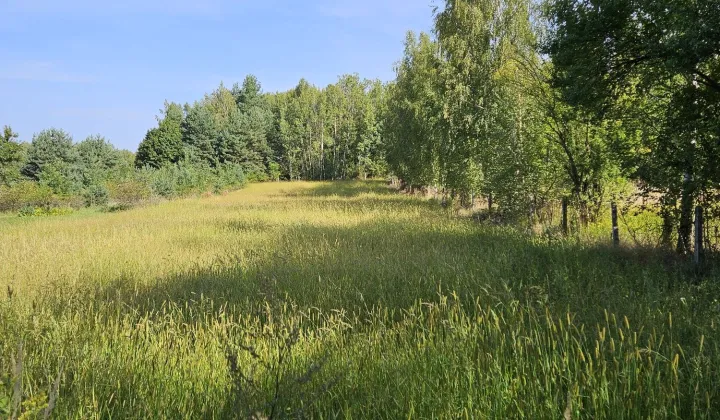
[615, 228]
[564, 221]
[699, 240]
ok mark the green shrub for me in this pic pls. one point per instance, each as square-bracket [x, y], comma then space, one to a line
[127, 194]
[96, 195]
[229, 176]
[30, 211]
[25, 194]
[254, 173]
[185, 179]
[26, 211]
[274, 171]
[190, 179]
[164, 182]
[61, 177]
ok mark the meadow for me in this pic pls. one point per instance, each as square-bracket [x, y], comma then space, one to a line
[343, 300]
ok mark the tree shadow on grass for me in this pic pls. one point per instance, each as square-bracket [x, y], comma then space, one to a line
[349, 189]
[394, 265]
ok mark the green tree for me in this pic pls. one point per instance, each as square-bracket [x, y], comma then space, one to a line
[125, 166]
[660, 57]
[584, 153]
[12, 157]
[301, 119]
[465, 100]
[283, 150]
[256, 122]
[61, 177]
[8, 135]
[97, 159]
[49, 147]
[412, 122]
[249, 94]
[163, 145]
[371, 148]
[200, 135]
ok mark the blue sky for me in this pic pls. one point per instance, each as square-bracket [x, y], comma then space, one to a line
[96, 67]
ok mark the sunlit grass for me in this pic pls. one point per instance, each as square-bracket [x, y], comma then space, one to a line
[350, 300]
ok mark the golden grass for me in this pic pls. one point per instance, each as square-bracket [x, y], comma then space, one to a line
[158, 241]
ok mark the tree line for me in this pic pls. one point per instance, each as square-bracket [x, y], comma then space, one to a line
[304, 133]
[52, 173]
[228, 137]
[525, 104]
[513, 102]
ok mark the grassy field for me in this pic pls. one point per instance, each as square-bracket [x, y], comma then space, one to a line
[343, 300]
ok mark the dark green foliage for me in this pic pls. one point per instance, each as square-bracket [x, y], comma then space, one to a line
[163, 145]
[412, 123]
[231, 144]
[199, 135]
[96, 195]
[186, 178]
[657, 65]
[229, 128]
[62, 177]
[98, 159]
[12, 157]
[51, 146]
[602, 48]
[462, 116]
[306, 133]
[249, 95]
[631, 93]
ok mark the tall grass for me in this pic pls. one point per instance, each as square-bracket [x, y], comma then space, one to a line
[346, 300]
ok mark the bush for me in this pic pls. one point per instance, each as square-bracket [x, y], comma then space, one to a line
[229, 176]
[25, 194]
[55, 190]
[274, 171]
[254, 173]
[180, 180]
[61, 177]
[30, 211]
[96, 195]
[185, 179]
[163, 182]
[127, 194]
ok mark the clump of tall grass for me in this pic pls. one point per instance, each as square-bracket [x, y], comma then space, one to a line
[441, 358]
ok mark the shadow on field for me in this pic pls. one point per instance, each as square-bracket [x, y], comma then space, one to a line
[355, 272]
[350, 189]
[394, 264]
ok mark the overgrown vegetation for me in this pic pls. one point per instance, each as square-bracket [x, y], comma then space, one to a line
[51, 176]
[348, 298]
[510, 104]
[320, 300]
[590, 101]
